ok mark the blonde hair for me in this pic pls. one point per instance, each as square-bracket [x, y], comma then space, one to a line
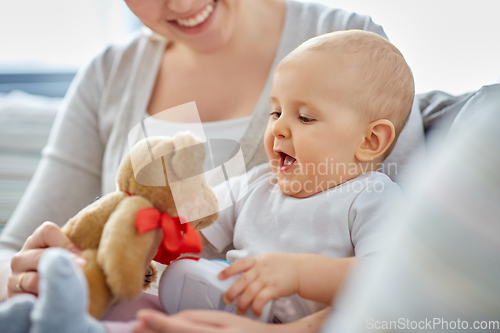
[386, 85]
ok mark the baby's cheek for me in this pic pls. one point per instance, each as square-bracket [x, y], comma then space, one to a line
[271, 155]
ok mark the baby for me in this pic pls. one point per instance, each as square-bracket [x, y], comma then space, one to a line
[338, 104]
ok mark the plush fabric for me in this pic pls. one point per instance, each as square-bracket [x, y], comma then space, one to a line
[61, 306]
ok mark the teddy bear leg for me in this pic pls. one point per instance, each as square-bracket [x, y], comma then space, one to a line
[63, 299]
[15, 314]
[100, 295]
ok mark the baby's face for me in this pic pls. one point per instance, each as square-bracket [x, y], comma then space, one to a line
[313, 131]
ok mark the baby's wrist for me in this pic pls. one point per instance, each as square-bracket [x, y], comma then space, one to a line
[299, 264]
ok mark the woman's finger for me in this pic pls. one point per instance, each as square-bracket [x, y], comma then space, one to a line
[225, 321]
[24, 266]
[159, 322]
[248, 296]
[48, 235]
[239, 286]
[26, 260]
[141, 327]
[27, 282]
[238, 267]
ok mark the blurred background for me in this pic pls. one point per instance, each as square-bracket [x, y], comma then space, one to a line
[451, 46]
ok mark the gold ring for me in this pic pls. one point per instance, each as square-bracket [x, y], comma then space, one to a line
[19, 282]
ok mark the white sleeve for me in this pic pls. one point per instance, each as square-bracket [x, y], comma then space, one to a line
[69, 174]
[369, 213]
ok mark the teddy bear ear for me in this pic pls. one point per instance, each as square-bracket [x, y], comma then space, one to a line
[147, 168]
[189, 156]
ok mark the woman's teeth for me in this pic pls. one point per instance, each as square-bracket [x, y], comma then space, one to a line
[200, 18]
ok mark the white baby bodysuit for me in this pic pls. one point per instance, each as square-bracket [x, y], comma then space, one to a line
[342, 221]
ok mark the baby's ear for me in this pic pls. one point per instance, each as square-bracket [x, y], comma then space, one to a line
[379, 135]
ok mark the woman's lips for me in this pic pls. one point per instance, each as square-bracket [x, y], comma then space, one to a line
[197, 22]
[198, 17]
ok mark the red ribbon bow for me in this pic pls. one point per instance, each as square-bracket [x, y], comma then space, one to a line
[178, 236]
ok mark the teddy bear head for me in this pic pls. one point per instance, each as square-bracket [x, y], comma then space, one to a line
[169, 172]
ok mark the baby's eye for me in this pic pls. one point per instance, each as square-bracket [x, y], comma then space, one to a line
[275, 114]
[306, 120]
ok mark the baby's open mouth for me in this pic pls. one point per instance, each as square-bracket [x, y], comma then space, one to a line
[286, 161]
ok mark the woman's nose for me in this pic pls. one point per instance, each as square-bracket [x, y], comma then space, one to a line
[280, 128]
[181, 6]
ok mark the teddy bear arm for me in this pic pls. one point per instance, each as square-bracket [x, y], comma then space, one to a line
[85, 228]
[100, 296]
[123, 254]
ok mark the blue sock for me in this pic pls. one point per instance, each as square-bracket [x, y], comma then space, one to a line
[15, 314]
[63, 297]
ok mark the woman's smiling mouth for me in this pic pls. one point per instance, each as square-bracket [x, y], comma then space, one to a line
[199, 18]
[196, 19]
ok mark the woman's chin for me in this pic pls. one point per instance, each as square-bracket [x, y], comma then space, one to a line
[215, 35]
[209, 44]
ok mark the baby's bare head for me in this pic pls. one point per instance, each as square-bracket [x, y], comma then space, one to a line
[376, 81]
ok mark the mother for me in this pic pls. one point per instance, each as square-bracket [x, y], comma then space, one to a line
[219, 53]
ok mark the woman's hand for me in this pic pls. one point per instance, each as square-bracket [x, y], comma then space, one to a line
[24, 264]
[207, 321]
[265, 277]
[201, 321]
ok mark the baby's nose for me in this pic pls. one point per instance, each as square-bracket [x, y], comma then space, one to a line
[280, 129]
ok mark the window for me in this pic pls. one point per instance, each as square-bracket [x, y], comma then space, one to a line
[58, 35]
[450, 45]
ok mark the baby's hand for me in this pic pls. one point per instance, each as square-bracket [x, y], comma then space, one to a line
[265, 277]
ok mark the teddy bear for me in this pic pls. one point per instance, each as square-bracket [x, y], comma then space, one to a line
[122, 232]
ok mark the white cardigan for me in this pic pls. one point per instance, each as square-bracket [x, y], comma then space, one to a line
[110, 95]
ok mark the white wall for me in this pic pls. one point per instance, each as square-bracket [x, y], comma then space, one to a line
[452, 46]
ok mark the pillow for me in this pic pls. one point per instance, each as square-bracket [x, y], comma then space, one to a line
[486, 99]
[25, 123]
[410, 141]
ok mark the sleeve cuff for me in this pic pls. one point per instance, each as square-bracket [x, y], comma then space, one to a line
[6, 254]
[217, 238]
